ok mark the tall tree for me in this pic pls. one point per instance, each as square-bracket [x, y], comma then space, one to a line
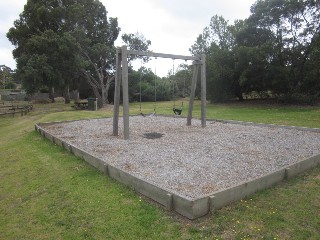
[295, 29]
[96, 35]
[254, 51]
[136, 41]
[6, 76]
[218, 42]
[82, 40]
[275, 50]
[30, 35]
[50, 59]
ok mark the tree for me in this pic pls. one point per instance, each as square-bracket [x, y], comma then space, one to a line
[6, 77]
[294, 27]
[275, 50]
[138, 42]
[95, 35]
[50, 59]
[254, 51]
[67, 37]
[202, 44]
[182, 79]
[218, 42]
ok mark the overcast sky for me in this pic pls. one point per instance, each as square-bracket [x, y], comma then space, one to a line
[171, 25]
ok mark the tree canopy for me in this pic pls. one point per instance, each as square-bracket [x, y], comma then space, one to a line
[275, 52]
[59, 41]
[6, 77]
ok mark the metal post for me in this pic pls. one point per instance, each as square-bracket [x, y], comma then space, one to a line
[117, 94]
[193, 91]
[203, 90]
[125, 92]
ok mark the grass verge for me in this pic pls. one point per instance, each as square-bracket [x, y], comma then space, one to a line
[47, 193]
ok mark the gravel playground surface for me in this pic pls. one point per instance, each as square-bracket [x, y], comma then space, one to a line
[190, 161]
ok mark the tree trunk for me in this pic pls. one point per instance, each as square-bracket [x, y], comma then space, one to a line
[76, 97]
[51, 94]
[98, 96]
[237, 91]
[100, 103]
[106, 88]
[66, 95]
[105, 91]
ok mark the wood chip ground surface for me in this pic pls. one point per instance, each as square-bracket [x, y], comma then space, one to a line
[190, 160]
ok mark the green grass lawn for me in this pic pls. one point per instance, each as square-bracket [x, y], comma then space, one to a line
[47, 193]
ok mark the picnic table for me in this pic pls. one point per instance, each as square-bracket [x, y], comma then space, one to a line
[81, 105]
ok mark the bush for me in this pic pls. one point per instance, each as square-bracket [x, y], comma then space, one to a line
[10, 85]
[59, 99]
[298, 98]
[43, 101]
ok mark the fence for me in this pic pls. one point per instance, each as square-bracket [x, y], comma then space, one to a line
[11, 110]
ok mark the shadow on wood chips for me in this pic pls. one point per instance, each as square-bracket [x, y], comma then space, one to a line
[153, 135]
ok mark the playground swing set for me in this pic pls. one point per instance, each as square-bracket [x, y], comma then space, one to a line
[176, 111]
[121, 78]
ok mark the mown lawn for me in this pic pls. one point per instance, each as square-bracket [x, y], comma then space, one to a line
[47, 193]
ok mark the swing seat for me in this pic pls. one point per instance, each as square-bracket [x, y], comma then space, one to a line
[149, 115]
[177, 111]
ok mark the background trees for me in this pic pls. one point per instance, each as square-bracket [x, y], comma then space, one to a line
[95, 35]
[275, 52]
[175, 85]
[7, 79]
[146, 83]
[218, 42]
[59, 41]
[294, 29]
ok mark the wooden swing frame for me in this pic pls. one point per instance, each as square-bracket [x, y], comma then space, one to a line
[122, 54]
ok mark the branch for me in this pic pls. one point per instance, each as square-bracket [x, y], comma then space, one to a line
[92, 81]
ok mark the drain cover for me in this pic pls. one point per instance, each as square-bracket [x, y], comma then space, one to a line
[152, 135]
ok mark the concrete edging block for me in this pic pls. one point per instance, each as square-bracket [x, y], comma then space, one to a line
[183, 206]
[192, 208]
[157, 194]
[302, 166]
[93, 161]
[200, 207]
[238, 192]
[58, 142]
[48, 136]
[67, 146]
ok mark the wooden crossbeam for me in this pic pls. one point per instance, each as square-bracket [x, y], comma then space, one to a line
[162, 55]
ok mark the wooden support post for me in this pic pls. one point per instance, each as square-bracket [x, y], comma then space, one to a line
[116, 102]
[193, 91]
[122, 78]
[125, 92]
[203, 90]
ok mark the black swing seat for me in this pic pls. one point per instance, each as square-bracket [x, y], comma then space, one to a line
[177, 111]
[149, 115]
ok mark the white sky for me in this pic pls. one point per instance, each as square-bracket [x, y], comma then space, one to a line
[171, 25]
